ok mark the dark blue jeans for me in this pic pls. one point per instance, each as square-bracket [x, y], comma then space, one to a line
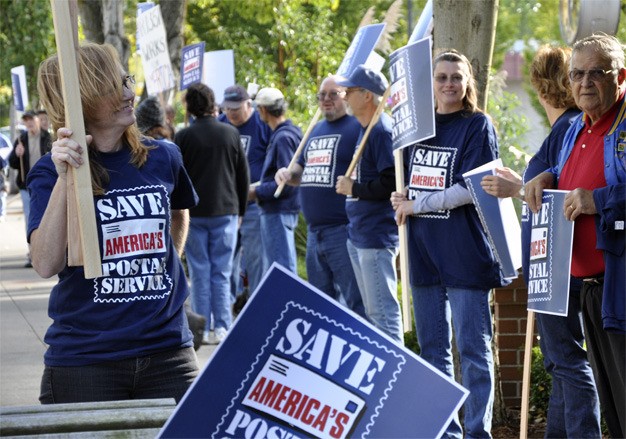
[573, 410]
[163, 375]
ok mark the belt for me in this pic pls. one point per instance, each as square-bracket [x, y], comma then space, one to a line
[594, 280]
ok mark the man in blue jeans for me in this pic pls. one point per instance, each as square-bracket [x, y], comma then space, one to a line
[217, 165]
[372, 232]
[327, 154]
[279, 216]
[255, 135]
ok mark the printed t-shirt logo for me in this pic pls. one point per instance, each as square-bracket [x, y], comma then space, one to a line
[431, 170]
[245, 142]
[133, 224]
[319, 169]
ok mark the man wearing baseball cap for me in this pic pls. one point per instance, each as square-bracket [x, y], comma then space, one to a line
[372, 231]
[27, 149]
[279, 216]
[255, 136]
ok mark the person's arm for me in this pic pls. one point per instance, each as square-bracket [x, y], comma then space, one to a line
[289, 175]
[48, 242]
[505, 183]
[377, 189]
[450, 198]
[180, 227]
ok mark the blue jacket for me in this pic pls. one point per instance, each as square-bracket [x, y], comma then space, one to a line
[610, 203]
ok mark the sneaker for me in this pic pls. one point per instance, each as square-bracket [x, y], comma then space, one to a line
[220, 335]
[205, 338]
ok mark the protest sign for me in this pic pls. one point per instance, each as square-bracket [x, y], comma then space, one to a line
[219, 72]
[362, 45]
[297, 364]
[155, 55]
[499, 220]
[410, 71]
[20, 91]
[192, 58]
[141, 8]
[550, 256]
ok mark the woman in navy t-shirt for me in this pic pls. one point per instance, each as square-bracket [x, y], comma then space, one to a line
[123, 335]
[452, 267]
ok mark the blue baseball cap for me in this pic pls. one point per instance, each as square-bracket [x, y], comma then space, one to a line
[366, 78]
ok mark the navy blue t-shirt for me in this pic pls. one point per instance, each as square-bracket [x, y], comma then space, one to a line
[137, 307]
[545, 158]
[326, 156]
[372, 222]
[449, 247]
[255, 136]
[283, 144]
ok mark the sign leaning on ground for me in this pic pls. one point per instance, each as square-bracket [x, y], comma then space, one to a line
[296, 364]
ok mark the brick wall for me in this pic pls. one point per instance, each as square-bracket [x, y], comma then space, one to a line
[510, 320]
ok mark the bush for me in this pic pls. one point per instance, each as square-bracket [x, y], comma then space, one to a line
[540, 387]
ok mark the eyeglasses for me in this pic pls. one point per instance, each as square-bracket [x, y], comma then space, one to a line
[455, 79]
[595, 75]
[128, 82]
[333, 95]
[232, 109]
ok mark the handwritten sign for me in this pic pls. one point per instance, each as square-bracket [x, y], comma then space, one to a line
[155, 55]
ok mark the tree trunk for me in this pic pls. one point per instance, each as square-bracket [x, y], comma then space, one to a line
[113, 29]
[173, 12]
[91, 15]
[470, 28]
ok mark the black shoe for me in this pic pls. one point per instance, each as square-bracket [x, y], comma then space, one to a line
[29, 264]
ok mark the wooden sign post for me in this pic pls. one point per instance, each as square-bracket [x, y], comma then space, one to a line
[80, 177]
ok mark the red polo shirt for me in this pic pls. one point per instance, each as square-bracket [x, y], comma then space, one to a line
[585, 169]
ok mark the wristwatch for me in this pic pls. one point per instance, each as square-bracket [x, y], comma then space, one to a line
[522, 193]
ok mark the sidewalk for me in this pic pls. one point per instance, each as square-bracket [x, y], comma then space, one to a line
[24, 315]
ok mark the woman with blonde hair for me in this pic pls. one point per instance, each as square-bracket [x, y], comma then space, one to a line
[123, 335]
[452, 266]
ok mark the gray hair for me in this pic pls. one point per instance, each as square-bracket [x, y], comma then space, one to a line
[606, 46]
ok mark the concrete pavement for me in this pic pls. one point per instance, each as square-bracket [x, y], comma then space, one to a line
[23, 315]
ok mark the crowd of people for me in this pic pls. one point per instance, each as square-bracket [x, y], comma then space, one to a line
[209, 192]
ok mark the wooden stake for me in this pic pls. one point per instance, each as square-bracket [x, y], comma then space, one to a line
[296, 154]
[361, 148]
[528, 355]
[404, 250]
[66, 49]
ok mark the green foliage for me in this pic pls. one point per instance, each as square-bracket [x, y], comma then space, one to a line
[510, 124]
[26, 38]
[540, 387]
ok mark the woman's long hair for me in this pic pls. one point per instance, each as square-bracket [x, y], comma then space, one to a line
[99, 77]
[548, 76]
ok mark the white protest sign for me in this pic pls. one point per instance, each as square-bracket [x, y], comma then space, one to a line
[20, 90]
[219, 72]
[155, 55]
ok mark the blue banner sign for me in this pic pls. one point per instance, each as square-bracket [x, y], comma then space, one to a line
[296, 364]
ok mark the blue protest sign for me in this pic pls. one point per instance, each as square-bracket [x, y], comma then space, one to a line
[424, 25]
[412, 102]
[192, 58]
[20, 91]
[499, 220]
[550, 256]
[362, 44]
[297, 364]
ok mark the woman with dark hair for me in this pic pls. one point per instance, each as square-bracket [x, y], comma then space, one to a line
[123, 335]
[452, 267]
